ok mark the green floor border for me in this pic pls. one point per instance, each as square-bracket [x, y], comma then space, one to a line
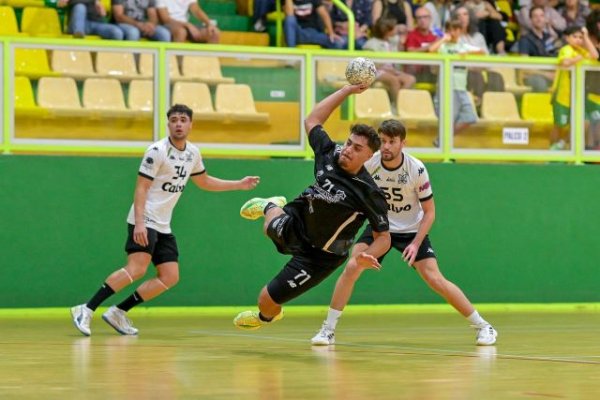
[319, 310]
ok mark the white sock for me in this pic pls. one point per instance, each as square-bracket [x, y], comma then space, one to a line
[332, 318]
[476, 319]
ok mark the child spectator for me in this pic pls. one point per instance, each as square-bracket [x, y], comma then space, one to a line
[579, 47]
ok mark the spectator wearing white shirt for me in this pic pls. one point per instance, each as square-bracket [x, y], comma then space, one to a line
[174, 14]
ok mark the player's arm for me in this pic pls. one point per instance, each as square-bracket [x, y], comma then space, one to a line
[588, 45]
[210, 183]
[410, 252]
[325, 107]
[140, 234]
[381, 244]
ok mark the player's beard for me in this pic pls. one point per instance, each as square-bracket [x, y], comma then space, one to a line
[388, 156]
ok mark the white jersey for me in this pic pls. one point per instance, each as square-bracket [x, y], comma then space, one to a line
[405, 188]
[169, 169]
[178, 9]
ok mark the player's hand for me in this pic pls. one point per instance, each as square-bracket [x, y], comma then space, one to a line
[250, 182]
[140, 235]
[410, 253]
[356, 89]
[367, 261]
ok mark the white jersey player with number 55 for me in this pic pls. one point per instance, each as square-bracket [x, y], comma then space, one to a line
[411, 212]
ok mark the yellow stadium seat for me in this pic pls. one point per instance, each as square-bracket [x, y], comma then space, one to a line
[415, 105]
[510, 80]
[60, 95]
[331, 73]
[105, 97]
[146, 65]
[373, 104]
[24, 100]
[500, 107]
[237, 102]
[203, 69]
[32, 63]
[24, 3]
[141, 95]
[197, 97]
[37, 21]
[537, 107]
[119, 65]
[76, 64]
[8, 22]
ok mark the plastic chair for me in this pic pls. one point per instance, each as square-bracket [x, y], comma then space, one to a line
[238, 103]
[500, 107]
[203, 69]
[196, 96]
[537, 107]
[105, 96]
[32, 63]
[119, 65]
[331, 73]
[146, 66]
[141, 95]
[510, 80]
[373, 103]
[8, 22]
[76, 64]
[38, 21]
[416, 106]
[24, 94]
[59, 95]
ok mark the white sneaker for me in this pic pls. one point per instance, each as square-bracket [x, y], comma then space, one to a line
[255, 208]
[82, 317]
[249, 320]
[486, 335]
[117, 318]
[324, 337]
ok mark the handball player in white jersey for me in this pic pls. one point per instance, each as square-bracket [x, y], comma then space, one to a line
[164, 172]
[411, 212]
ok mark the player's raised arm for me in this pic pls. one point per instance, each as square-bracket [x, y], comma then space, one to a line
[213, 184]
[325, 107]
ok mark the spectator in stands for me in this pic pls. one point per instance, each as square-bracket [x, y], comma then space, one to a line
[259, 15]
[440, 13]
[419, 40]
[302, 24]
[362, 10]
[579, 47]
[592, 85]
[556, 24]
[401, 12]
[392, 78]
[470, 34]
[489, 24]
[88, 17]
[574, 12]
[174, 14]
[451, 43]
[139, 18]
[537, 43]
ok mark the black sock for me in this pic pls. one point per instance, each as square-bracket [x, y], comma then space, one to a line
[262, 317]
[130, 302]
[269, 206]
[104, 293]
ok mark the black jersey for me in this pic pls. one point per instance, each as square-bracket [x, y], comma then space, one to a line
[330, 212]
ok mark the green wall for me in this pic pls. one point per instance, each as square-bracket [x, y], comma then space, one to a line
[504, 233]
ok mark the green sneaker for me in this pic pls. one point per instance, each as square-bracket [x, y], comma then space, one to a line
[249, 320]
[254, 208]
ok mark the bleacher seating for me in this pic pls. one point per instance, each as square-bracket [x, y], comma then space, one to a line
[415, 106]
[141, 95]
[40, 21]
[195, 95]
[500, 107]
[60, 95]
[203, 69]
[236, 101]
[8, 22]
[104, 96]
[76, 64]
[537, 107]
[32, 63]
[119, 65]
[24, 100]
[373, 103]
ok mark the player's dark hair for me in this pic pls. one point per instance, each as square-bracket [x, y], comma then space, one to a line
[532, 9]
[572, 29]
[392, 128]
[180, 109]
[368, 132]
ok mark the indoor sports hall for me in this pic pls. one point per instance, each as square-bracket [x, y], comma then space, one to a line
[516, 227]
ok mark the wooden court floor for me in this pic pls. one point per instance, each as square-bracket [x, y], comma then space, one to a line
[379, 355]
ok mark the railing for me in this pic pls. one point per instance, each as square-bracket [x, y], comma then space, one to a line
[286, 83]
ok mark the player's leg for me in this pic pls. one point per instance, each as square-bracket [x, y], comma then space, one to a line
[261, 207]
[429, 270]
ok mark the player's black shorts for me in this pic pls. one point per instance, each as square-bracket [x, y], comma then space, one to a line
[399, 242]
[162, 246]
[307, 268]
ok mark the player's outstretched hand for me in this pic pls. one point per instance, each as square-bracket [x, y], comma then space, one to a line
[409, 253]
[367, 261]
[356, 89]
[250, 182]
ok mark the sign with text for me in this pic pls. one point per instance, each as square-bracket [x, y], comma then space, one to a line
[515, 135]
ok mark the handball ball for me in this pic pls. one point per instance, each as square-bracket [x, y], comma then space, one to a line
[361, 71]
